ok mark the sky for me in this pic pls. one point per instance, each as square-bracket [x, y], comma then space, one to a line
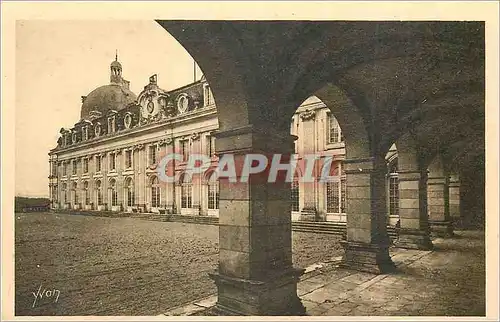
[57, 62]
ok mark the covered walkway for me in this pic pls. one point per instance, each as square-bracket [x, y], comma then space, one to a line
[447, 281]
[419, 85]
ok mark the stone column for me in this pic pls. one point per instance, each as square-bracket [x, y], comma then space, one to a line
[454, 195]
[438, 206]
[196, 178]
[255, 274]
[309, 212]
[139, 171]
[367, 244]
[170, 186]
[414, 225]
[120, 182]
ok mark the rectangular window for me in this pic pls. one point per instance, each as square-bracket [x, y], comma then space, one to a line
[87, 197]
[332, 197]
[155, 196]
[75, 196]
[85, 165]
[334, 133]
[152, 154]
[112, 161]
[128, 159]
[130, 197]
[75, 167]
[98, 164]
[185, 150]
[114, 197]
[54, 169]
[343, 194]
[213, 195]
[187, 196]
[208, 96]
[99, 197]
[294, 195]
[65, 168]
[393, 195]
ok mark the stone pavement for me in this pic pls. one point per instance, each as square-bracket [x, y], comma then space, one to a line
[448, 281]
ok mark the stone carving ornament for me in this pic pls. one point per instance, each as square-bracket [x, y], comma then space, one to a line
[138, 146]
[195, 136]
[307, 115]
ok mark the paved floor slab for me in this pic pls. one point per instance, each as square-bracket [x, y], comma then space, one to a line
[448, 281]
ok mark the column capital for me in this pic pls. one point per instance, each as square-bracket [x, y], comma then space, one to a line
[359, 166]
[410, 175]
[436, 180]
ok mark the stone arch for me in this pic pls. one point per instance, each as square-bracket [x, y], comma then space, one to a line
[352, 123]
[259, 74]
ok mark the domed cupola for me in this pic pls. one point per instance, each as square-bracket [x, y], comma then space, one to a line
[116, 71]
[114, 96]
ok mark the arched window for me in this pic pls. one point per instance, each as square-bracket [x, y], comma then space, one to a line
[213, 191]
[393, 183]
[87, 192]
[114, 193]
[334, 133]
[186, 192]
[294, 194]
[75, 192]
[129, 191]
[98, 192]
[155, 192]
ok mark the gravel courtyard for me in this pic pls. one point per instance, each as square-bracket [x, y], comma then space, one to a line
[123, 266]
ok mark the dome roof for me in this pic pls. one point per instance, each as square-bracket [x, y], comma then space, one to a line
[105, 98]
[116, 64]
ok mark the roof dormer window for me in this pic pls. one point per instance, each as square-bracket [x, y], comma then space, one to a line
[85, 133]
[111, 124]
[207, 95]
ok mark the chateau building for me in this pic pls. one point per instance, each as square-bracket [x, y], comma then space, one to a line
[107, 161]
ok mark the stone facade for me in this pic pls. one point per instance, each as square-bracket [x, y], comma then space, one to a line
[107, 161]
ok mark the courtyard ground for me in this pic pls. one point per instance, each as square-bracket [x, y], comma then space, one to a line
[123, 266]
[448, 281]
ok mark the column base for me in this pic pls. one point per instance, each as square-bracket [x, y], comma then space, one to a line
[308, 214]
[370, 258]
[414, 239]
[441, 228]
[275, 296]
